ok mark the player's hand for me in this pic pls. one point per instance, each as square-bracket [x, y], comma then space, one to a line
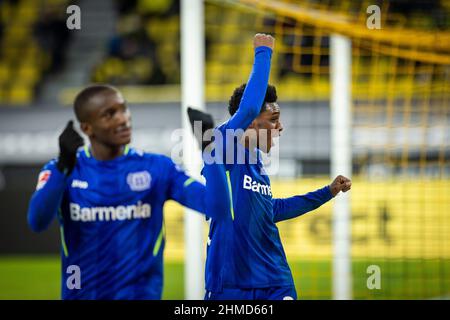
[206, 121]
[69, 142]
[262, 39]
[340, 183]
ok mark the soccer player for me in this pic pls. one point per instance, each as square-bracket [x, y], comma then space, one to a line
[245, 257]
[109, 201]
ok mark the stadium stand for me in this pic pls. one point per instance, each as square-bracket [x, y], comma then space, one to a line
[145, 48]
[33, 37]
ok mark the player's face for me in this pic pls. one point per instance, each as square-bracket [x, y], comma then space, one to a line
[268, 126]
[109, 119]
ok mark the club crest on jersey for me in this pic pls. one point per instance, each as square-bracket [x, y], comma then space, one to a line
[44, 176]
[139, 181]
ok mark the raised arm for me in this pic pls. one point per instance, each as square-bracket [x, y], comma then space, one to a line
[256, 87]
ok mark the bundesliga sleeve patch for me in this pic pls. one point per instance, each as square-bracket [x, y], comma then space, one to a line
[43, 178]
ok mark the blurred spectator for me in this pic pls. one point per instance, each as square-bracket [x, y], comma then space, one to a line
[158, 8]
[131, 40]
[126, 6]
[436, 16]
[4, 14]
[52, 35]
[139, 53]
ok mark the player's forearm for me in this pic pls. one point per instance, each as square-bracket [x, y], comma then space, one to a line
[255, 90]
[292, 207]
[45, 202]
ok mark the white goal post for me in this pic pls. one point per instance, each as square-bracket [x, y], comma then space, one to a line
[341, 162]
[192, 94]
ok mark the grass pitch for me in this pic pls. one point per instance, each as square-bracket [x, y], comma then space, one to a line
[38, 277]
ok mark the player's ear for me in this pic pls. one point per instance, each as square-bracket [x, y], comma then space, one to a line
[86, 128]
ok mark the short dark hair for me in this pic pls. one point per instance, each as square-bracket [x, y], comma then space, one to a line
[83, 97]
[235, 100]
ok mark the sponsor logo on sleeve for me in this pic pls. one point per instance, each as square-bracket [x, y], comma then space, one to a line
[44, 176]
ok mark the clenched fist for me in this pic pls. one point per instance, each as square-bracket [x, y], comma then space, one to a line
[341, 183]
[262, 39]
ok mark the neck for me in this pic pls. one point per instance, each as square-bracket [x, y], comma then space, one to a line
[252, 152]
[245, 141]
[104, 152]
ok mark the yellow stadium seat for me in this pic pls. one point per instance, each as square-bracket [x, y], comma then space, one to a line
[113, 67]
[20, 94]
[28, 73]
[17, 33]
[141, 68]
[4, 73]
[214, 72]
[56, 2]
[11, 53]
[6, 11]
[156, 29]
[27, 15]
[3, 98]
[153, 6]
[30, 3]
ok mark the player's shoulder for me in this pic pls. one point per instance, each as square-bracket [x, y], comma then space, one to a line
[50, 165]
[225, 129]
[83, 152]
[136, 153]
[153, 158]
[222, 127]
